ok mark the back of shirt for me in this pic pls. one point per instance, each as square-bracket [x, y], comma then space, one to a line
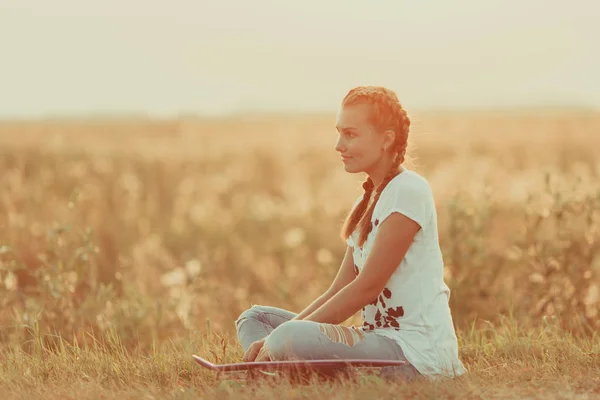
[413, 307]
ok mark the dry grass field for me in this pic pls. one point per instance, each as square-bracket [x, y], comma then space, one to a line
[126, 245]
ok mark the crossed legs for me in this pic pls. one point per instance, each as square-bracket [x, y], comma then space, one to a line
[305, 340]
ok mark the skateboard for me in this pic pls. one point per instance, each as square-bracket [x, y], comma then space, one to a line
[298, 368]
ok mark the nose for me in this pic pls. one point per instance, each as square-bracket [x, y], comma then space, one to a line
[340, 146]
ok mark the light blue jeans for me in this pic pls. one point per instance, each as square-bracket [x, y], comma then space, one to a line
[305, 340]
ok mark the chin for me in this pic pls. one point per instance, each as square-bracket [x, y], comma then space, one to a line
[352, 170]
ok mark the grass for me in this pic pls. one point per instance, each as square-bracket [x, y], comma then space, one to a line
[507, 361]
[128, 245]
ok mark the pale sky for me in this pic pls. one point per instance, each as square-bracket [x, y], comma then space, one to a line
[73, 57]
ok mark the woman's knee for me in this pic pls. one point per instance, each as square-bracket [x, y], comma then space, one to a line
[253, 312]
[289, 340]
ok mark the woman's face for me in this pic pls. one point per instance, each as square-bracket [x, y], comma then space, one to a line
[359, 144]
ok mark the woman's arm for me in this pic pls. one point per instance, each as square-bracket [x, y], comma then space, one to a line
[392, 241]
[313, 306]
[344, 276]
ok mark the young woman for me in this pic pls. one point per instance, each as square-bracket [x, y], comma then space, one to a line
[393, 267]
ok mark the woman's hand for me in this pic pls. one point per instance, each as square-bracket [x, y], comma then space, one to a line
[256, 352]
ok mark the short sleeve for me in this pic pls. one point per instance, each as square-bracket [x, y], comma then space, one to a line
[350, 240]
[411, 197]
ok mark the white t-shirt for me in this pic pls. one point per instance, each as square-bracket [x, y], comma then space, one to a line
[413, 307]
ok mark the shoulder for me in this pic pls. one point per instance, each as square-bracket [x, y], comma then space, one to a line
[408, 184]
[406, 187]
[407, 193]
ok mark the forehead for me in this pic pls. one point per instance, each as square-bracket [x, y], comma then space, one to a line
[353, 116]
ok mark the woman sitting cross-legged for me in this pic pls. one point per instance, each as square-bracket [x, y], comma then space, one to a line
[392, 269]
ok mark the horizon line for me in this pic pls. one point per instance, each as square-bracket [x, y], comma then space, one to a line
[184, 114]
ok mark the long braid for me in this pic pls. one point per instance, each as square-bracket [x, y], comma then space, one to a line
[365, 225]
[387, 114]
[355, 216]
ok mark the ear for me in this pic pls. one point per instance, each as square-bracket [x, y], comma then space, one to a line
[388, 138]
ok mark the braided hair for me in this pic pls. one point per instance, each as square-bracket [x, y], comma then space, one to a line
[386, 114]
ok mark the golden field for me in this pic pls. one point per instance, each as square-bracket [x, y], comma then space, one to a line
[128, 244]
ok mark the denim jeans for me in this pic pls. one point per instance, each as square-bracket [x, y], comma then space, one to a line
[305, 340]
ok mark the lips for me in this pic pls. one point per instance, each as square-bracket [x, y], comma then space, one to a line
[344, 158]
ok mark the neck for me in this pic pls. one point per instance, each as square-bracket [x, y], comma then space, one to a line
[380, 171]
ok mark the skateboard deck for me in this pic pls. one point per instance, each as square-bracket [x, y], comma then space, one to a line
[317, 365]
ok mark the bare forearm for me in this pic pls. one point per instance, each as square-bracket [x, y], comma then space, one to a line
[343, 305]
[314, 306]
